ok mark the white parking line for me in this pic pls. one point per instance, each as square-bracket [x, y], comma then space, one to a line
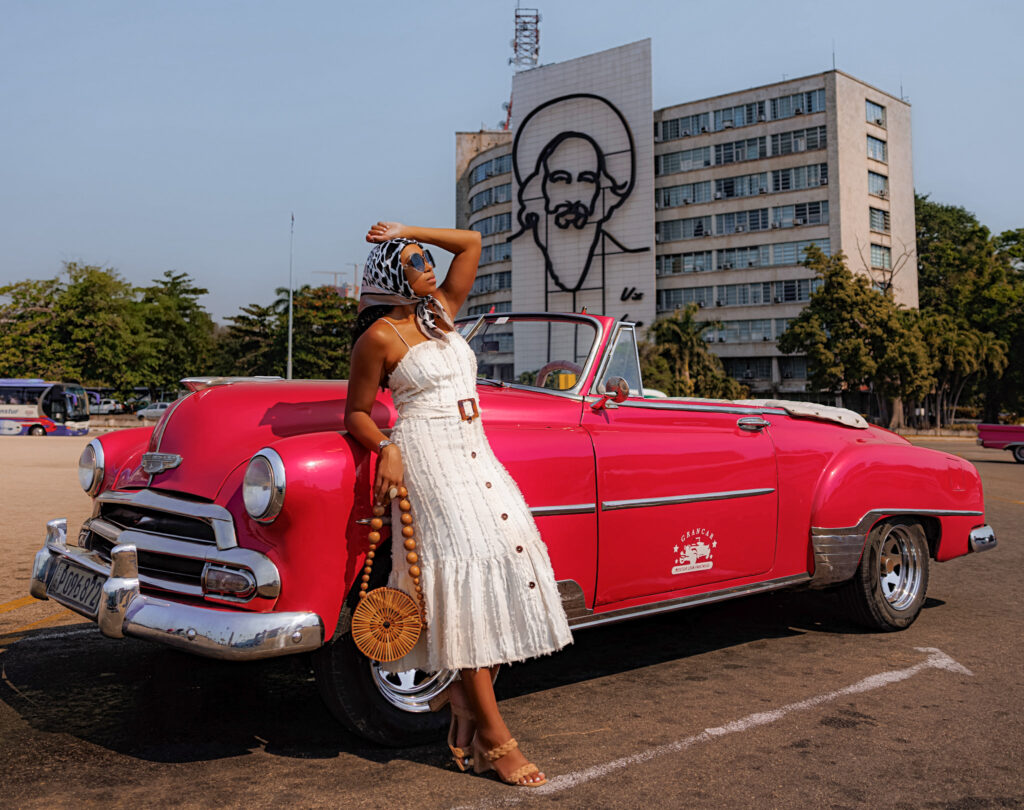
[936, 660]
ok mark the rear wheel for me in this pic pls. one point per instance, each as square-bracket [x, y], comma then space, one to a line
[889, 588]
[37, 430]
[1018, 453]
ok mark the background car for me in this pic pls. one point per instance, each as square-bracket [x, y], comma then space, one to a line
[154, 411]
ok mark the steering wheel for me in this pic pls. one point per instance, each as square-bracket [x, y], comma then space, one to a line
[547, 368]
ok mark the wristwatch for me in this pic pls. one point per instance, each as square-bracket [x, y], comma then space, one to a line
[382, 444]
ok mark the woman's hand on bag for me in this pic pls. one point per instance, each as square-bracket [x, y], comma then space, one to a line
[389, 473]
[383, 231]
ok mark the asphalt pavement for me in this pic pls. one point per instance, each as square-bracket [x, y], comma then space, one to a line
[769, 701]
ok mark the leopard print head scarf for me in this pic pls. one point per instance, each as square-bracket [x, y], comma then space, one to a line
[384, 282]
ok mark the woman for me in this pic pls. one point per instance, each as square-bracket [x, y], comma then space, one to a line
[490, 592]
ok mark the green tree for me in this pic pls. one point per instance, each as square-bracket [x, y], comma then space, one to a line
[323, 320]
[856, 338]
[27, 329]
[251, 345]
[677, 360]
[180, 329]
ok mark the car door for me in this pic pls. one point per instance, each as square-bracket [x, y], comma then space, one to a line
[686, 490]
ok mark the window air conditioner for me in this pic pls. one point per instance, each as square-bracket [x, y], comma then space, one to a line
[686, 133]
[824, 181]
[787, 374]
[883, 193]
[700, 305]
[707, 162]
[798, 111]
[765, 337]
[763, 190]
[686, 200]
[748, 375]
[709, 338]
[718, 195]
[727, 266]
[727, 125]
[740, 229]
[703, 129]
[750, 264]
[718, 303]
[762, 117]
[721, 340]
[778, 300]
[880, 122]
[798, 221]
[657, 139]
[657, 237]
[776, 224]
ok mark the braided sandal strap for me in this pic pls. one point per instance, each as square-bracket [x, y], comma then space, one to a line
[503, 749]
[519, 773]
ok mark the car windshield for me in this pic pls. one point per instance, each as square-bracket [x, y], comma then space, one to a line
[536, 351]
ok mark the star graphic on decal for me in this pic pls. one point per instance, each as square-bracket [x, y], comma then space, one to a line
[675, 548]
[714, 544]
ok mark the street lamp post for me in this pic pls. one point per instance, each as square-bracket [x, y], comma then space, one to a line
[291, 243]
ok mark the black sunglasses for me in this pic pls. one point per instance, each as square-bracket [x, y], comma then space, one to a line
[416, 261]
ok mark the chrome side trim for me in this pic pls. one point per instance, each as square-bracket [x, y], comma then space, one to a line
[268, 579]
[612, 616]
[837, 551]
[218, 517]
[124, 611]
[608, 506]
[982, 538]
[661, 405]
[564, 509]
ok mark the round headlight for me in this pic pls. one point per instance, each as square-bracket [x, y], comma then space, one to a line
[90, 467]
[263, 486]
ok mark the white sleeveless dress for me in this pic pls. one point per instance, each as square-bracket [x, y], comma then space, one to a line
[490, 593]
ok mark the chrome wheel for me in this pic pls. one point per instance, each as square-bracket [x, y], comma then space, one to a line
[899, 568]
[1018, 453]
[412, 690]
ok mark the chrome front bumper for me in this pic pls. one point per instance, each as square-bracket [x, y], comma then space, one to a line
[124, 611]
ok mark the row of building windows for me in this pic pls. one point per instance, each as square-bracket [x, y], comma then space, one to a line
[760, 368]
[758, 219]
[747, 331]
[491, 168]
[499, 223]
[740, 115]
[729, 295]
[744, 185]
[489, 196]
[493, 342]
[670, 264]
[782, 143]
[495, 253]
[483, 309]
[492, 282]
[879, 220]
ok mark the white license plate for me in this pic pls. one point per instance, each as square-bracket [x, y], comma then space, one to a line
[76, 587]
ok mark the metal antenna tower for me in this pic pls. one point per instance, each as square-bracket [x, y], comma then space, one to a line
[525, 47]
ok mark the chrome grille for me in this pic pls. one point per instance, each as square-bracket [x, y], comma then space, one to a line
[166, 524]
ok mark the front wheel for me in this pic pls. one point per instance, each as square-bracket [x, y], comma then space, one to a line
[888, 590]
[1018, 453]
[37, 430]
[388, 708]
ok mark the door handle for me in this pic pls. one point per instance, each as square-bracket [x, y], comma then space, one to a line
[752, 423]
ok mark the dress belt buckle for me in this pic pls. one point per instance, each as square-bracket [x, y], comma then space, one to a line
[465, 413]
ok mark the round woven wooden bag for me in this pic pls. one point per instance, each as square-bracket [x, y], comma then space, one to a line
[387, 622]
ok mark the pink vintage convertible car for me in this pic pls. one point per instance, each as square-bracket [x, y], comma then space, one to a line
[237, 527]
[1003, 437]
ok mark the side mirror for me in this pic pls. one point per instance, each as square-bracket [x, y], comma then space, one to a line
[616, 390]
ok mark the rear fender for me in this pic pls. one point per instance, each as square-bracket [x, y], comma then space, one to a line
[864, 484]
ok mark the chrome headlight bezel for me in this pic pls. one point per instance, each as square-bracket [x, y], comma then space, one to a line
[90, 473]
[264, 498]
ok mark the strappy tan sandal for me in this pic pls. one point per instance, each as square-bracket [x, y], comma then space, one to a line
[462, 759]
[484, 761]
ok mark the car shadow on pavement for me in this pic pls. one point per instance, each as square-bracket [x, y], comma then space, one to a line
[162, 706]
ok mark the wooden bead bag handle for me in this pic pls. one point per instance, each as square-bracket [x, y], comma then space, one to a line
[387, 621]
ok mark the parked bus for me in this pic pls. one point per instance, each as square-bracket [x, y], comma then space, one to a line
[41, 408]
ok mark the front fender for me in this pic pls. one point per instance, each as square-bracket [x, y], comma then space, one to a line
[122, 456]
[315, 541]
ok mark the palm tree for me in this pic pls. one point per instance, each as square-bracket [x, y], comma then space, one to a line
[280, 304]
[680, 340]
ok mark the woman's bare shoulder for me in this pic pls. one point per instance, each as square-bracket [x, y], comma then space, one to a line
[377, 338]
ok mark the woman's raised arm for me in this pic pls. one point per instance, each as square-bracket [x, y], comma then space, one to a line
[464, 244]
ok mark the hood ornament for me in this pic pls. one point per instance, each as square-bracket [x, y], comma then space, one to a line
[154, 463]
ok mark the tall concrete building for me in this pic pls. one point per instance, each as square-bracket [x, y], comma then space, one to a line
[742, 184]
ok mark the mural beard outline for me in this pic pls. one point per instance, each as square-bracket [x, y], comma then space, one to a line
[572, 189]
